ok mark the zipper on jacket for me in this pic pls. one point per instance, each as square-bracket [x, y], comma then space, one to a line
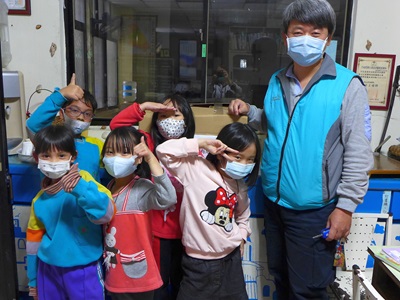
[278, 183]
[327, 180]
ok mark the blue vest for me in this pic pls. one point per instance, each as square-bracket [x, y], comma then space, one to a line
[294, 158]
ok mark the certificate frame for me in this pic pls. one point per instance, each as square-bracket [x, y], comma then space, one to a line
[19, 7]
[376, 70]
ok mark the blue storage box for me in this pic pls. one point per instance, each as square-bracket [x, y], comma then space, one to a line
[256, 196]
[25, 178]
[374, 197]
[395, 207]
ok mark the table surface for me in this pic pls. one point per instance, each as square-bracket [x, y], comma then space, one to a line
[385, 165]
[373, 250]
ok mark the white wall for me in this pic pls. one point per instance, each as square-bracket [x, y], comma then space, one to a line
[378, 21]
[30, 47]
[373, 20]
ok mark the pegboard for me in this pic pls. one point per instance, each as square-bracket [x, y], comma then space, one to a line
[360, 237]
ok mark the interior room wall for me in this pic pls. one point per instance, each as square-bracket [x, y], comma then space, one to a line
[30, 40]
[376, 21]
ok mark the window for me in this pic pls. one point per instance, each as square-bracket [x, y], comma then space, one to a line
[192, 47]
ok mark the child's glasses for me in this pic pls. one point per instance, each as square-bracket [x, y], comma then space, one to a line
[75, 112]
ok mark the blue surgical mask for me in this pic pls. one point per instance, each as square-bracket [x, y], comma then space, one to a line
[77, 126]
[305, 50]
[237, 170]
[119, 167]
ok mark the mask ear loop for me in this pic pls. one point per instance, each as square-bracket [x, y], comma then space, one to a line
[70, 163]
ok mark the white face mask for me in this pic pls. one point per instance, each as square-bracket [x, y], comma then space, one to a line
[305, 50]
[170, 128]
[237, 170]
[54, 170]
[119, 167]
[77, 126]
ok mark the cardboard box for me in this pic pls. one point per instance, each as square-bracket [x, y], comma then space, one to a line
[209, 120]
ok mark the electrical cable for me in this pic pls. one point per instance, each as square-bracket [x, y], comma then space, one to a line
[28, 114]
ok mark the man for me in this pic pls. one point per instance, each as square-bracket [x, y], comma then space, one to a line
[316, 155]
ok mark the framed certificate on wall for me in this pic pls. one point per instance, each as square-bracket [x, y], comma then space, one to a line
[376, 70]
[19, 7]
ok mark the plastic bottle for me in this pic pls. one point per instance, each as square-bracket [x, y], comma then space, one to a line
[129, 89]
[4, 36]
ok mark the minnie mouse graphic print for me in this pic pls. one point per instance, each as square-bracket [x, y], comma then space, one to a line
[220, 208]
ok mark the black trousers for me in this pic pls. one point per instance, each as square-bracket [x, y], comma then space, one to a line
[217, 279]
[171, 251]
[302, 266]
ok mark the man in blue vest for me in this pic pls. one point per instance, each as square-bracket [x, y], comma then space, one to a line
[316, 155]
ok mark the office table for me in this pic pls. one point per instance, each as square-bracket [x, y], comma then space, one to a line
[385, 278]
[384, 165]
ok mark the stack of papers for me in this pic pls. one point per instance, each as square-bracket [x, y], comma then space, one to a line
[391, 256]
[392, 253]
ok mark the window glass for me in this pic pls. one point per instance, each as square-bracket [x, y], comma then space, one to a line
[209, 51]
[246, 48]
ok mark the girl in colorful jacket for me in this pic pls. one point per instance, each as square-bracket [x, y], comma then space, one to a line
[131, 269]
[64, 234]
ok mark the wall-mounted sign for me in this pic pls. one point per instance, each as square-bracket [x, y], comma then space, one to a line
[19, 7]
[376, 70]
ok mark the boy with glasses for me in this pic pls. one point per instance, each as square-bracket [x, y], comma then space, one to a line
[75, 108]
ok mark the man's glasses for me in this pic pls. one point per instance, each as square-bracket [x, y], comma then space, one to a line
[75, 112]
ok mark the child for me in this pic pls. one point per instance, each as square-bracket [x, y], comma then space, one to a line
[172, 119]
[132, 272]
[64, 235]
[76, 109]
[215, 208]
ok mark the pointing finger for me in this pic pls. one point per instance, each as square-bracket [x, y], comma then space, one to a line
[73, 79]
[227, 157]
[231, 150]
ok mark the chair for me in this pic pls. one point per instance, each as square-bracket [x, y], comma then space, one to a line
[370, 293]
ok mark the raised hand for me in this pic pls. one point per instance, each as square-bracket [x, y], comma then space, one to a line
[215, 147]
[142, 151]
[72, 91]
[238, 107]
[70, 180]
[156, 107]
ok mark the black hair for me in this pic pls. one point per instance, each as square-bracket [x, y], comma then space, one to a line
[88, 98]
[180, 103]
[315, 12]
[124, 139]
[55, 137]
[221, 76]
[239, 136]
